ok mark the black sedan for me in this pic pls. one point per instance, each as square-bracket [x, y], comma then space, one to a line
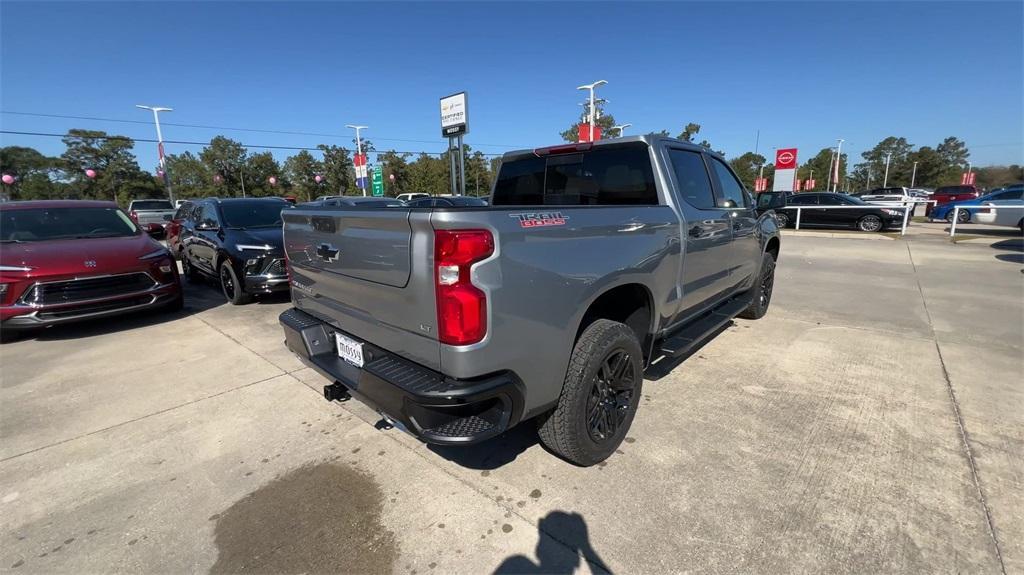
[848, 212]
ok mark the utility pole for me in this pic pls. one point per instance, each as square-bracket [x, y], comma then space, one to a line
[885, 180]
[913, 175]
[160, 145]
[621, 128]
[361, 180]
[591, 112]
[839, 160]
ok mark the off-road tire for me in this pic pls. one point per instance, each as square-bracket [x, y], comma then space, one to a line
[762, 290]
[566, 429]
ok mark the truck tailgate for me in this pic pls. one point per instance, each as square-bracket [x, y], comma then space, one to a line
[368, 272]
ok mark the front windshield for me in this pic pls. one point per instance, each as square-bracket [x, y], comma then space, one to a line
[44, 224]
[253, 214]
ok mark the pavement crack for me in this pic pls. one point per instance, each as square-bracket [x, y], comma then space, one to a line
[964, 436]
[140, 418]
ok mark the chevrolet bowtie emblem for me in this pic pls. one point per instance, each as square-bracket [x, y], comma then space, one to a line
[327, 253]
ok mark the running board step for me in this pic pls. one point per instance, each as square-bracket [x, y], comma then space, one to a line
[695, 332]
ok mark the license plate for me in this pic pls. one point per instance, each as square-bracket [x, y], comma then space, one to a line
[349, 349]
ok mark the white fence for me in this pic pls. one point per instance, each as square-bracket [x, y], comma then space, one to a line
[907, 207]
[995, 208]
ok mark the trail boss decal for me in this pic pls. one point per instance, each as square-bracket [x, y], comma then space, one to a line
[539, 219]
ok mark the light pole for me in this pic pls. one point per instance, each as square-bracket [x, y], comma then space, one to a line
[913, 175]
[968, 182]
[621, 128]
[359, 152]
[831, 168]
[592, 114]
[839, 160]
[160, 144]
[885, 180]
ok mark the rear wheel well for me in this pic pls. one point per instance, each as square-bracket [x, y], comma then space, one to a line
[773, 248]
[629, 304]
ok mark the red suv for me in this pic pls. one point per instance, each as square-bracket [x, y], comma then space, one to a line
[947, 194]
[62, 261]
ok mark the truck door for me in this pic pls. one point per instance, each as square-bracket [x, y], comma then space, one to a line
[707, 229]
[746, 247]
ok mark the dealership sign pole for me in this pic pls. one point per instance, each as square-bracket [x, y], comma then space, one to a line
[454, 125]
[359, 161]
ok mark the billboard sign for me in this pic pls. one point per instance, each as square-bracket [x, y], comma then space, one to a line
[454, 115]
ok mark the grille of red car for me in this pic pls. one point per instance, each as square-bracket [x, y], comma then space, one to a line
[86, 289]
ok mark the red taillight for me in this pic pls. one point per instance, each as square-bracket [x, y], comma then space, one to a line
[461, 306]
[134, 216]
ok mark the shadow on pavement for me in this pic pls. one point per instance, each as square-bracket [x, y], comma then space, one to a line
[1012, 245]
[493, 453]
[562, 541]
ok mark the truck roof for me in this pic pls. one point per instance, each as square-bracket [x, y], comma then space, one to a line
[649, 139]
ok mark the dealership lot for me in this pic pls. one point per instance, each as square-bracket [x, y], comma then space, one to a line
[873, 421]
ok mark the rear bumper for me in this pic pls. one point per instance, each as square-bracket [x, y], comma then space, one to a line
[32, 316]
[435, 408]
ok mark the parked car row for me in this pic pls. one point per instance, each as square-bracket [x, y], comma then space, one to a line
[833, 210]
[1007, 195]
[63, 261]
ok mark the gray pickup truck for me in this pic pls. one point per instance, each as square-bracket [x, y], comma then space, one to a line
[593, 262]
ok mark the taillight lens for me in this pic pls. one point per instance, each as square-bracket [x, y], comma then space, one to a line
[134, 216]
[461, 306]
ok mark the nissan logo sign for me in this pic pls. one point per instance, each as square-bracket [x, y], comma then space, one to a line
[785, 158]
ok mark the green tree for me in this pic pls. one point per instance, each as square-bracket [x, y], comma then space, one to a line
[429, 174]
[747, 167]
[33, 171]
[689, 131]
[820, 165]
[478, 175]
[118, 178]
[227, 159]
[258, 170]
[190, 176]
[339, 173]
[605, 121]
[898, 149]
[301, 171]
[954, 155]
[931, 168]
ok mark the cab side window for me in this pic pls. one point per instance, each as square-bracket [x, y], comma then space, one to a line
[692, 178]
[803, 200]
[208, 216]
[732, 189]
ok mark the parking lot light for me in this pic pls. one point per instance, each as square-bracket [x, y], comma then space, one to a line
[160, 145]
[839, 159]
[592, 115]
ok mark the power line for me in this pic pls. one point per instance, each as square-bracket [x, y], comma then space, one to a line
[258, 130]
[189, 143]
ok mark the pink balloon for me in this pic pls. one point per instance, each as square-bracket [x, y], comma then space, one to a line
[218, 178]
[90, 173]
[272, 180]
[317, 179]
[391, 177]
[8, 179]
[160, 173]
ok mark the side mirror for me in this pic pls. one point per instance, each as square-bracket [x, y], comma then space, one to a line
[168, 217]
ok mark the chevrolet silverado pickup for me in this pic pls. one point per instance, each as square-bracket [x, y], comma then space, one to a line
[593, 262]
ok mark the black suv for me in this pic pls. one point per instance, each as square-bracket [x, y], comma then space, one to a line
[238, 242]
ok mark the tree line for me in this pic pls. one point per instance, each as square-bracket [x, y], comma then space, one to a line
[96, 165]
[226, 168]
[941, 165]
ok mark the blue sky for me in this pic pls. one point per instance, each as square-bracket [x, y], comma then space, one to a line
[802, 74]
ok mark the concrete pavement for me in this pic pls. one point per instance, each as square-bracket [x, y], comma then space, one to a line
[873, 421]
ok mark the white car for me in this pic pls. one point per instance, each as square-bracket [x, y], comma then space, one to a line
[412, 196]
[1012, 217]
